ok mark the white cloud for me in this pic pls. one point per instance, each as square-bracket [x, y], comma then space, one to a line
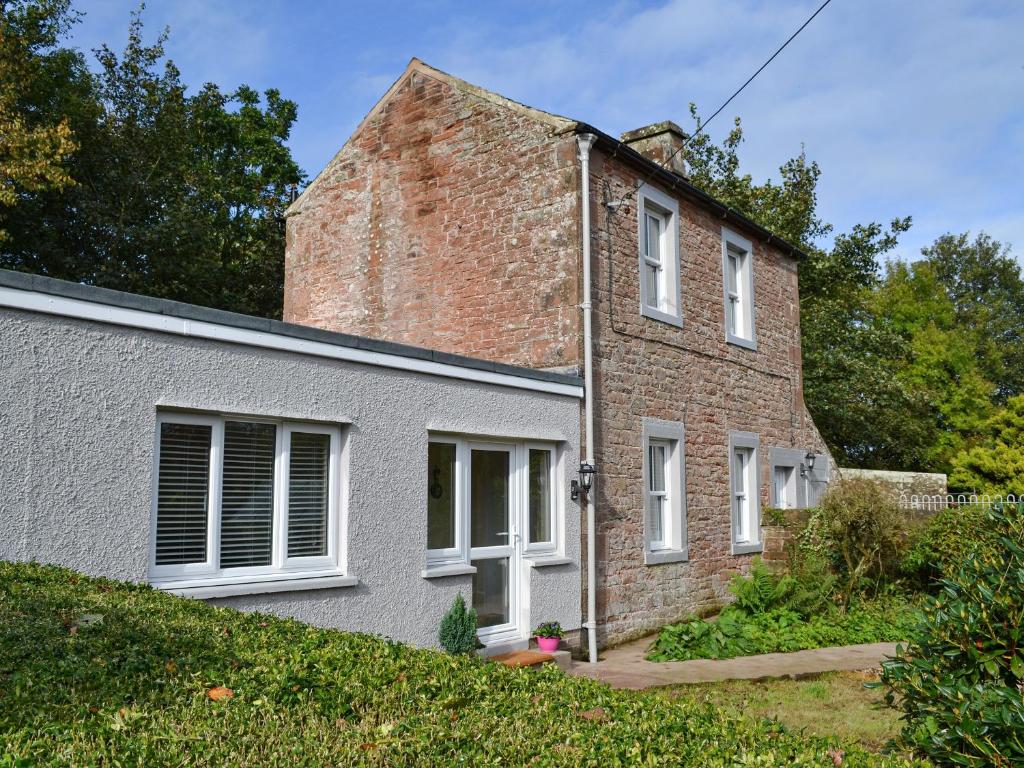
[910, 108]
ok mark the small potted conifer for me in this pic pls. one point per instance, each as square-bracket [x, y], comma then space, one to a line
[548, 636]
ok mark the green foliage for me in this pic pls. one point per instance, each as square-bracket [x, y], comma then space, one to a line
[900, 372]
[865, 530]
[982, 280]
[939, 546]
[458, 628]
[32, 151]
[778, 613]
[781, 630]
[959, 681]
[761, 590]
[179, 194]
[133, 690]
[995, 464]
[549, 629]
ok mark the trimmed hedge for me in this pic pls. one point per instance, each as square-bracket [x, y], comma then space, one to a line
[94, 672]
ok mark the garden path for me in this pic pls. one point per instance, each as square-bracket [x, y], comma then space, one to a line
[626, 667]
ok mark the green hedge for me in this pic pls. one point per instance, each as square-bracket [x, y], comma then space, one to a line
[133, 688]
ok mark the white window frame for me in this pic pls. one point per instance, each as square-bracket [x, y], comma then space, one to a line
[541, 547]
[790, 458]
[457, 554]
[204, 579]
[673, 546]
[743, 297]
[455, 560]
[668, 309]
[745, 514]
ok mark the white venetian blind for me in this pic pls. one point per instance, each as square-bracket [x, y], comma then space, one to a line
[183, 492]
[247, 494]
[308, 493]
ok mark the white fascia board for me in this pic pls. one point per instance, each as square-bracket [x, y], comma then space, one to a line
[133, 318]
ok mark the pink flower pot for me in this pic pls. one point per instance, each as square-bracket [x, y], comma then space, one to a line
[548, 644]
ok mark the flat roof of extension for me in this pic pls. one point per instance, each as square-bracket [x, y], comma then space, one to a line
[48, 295]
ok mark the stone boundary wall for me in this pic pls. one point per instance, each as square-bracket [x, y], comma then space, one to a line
[909, 483]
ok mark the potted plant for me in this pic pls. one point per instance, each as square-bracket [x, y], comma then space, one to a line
[548, 636]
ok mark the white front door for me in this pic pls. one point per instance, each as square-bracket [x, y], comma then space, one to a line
[495, 541]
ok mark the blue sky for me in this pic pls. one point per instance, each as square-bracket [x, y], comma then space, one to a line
[912, 108]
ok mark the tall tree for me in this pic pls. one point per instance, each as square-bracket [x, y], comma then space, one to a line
[996, 464]
[864, 412]
[984, 284]
[941, 368]
[179, 195]
[33, 147]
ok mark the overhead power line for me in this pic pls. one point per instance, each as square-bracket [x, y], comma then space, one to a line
[702, 126]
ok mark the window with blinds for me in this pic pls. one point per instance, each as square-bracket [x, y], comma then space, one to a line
[237, 498]
[247, 494]
[308, 475]
[183, 493]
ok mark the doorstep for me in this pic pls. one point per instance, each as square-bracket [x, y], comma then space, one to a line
[534, 659]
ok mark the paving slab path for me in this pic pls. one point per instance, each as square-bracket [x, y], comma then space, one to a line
[627, 667]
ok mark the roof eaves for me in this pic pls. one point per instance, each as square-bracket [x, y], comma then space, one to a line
[677, 183]
[24, 281]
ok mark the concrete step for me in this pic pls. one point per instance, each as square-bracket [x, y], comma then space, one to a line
[532, 658]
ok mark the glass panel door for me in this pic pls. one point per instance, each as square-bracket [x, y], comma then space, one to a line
[493, 538]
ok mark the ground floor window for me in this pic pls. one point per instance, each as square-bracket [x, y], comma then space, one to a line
[745, 493]
[664, 491]
[244, 497]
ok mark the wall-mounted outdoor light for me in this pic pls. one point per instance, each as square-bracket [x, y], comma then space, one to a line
[585, 483]
[808, 467]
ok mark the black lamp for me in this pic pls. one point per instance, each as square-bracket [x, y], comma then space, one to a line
[808, 467]
[585, 483]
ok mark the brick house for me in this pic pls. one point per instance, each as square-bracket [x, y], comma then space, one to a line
[457, 219]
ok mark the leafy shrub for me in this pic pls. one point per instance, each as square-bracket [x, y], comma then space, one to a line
[806, 589]
[761, 590]
[861, 526]
[939, 546]
[959, 681]
[134, 690]
[458, 628]
[780, 630]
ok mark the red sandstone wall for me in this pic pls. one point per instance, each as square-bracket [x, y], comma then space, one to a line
[646, 368]
[447, 221]
[452, 222]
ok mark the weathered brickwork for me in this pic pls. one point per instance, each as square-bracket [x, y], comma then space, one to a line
[647, 368]
[447, 221]
[452, 219]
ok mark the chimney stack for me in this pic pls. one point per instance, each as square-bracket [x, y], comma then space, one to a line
[658, 142]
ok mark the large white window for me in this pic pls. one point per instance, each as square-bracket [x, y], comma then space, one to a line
[738, 285]
[658, 237]
[664, 492]
[527, 475]
[241, 500]
[744, 492]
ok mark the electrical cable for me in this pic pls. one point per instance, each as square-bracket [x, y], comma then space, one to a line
[701, 126]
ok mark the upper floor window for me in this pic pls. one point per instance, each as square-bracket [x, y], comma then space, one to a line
[745, 492]
[240, 499]
[738, 274]
[658, 237]
[664, 492]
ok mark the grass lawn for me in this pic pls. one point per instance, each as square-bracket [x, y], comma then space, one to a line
[95, 672]
[830, 704]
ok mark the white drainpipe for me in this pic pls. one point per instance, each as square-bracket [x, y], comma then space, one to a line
[585, 142]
